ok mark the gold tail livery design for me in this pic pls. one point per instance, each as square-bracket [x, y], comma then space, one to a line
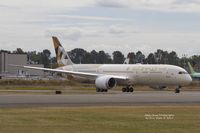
[61, 55]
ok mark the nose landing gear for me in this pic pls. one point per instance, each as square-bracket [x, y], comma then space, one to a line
[177, 90]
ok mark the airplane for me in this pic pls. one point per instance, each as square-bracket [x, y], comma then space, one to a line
[193, 74]
[107, 76]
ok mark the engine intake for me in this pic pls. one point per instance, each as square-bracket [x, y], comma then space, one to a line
[105, 82]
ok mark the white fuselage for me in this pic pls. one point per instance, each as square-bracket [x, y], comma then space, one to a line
[163, 75]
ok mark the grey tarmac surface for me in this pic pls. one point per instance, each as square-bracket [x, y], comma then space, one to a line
[101, 99]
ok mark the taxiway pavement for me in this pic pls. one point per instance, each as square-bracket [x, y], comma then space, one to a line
[101, 99]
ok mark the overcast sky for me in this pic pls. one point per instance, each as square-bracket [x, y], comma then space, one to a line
[109, 25]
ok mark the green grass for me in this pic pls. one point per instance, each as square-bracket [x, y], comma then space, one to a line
[99, 120]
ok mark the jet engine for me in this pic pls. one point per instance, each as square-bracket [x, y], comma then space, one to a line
[105, 82]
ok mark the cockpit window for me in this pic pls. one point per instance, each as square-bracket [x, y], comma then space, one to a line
[182, 72]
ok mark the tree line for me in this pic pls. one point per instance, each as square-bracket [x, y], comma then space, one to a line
[81, 56]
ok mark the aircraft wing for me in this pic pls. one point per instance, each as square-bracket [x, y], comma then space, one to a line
[81, 74]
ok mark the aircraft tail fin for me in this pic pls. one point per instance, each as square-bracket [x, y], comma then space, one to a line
[191, 68]
[61, 55]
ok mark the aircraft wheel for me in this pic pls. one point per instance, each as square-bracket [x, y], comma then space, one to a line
[177, 90]
[98, 90]
[105, 90]
[131, 89]
[123, 89]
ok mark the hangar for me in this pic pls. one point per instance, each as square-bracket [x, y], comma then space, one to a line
[18, 59]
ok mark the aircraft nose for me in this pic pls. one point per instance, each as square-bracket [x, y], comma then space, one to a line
[189, 79]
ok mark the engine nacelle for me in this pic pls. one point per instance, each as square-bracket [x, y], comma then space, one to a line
[105, 82]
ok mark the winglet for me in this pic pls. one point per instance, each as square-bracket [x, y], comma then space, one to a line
[127, 60]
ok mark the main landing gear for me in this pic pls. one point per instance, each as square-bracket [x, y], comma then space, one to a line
[127, 89]
[101, 90]
[177, 90]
